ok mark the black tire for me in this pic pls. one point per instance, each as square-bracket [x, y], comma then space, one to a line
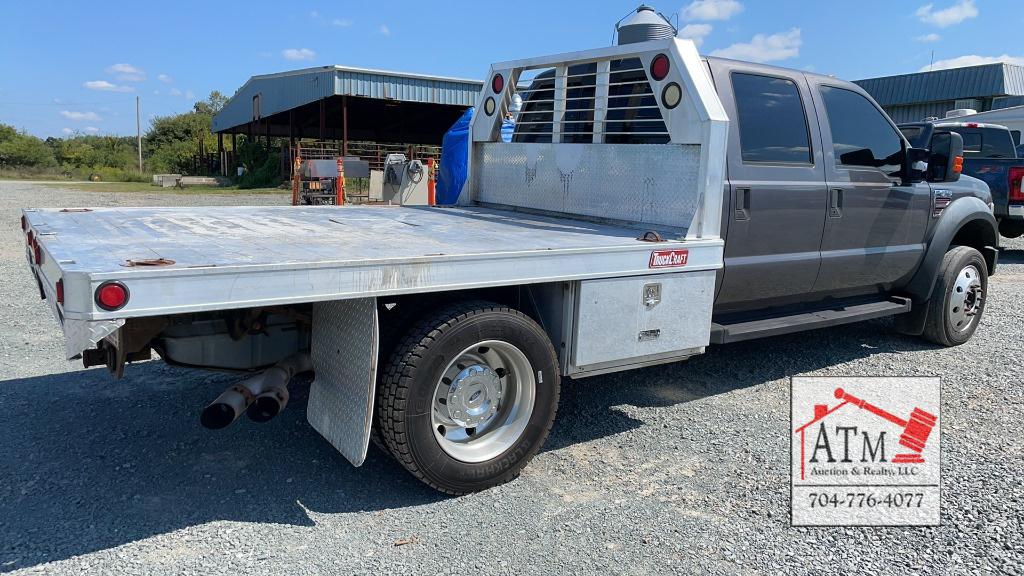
[1011, 228]
[405, 396]
[939, 327]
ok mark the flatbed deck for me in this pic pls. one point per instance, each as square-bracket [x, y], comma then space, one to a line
[238, 257]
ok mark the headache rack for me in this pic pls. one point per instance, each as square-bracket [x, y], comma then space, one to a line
[631, 134]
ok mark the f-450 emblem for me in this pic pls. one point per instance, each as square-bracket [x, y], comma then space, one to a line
[668, 258]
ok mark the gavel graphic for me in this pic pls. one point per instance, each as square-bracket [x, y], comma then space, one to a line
[915, 430]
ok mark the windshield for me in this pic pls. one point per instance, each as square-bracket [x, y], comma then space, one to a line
[913, 135]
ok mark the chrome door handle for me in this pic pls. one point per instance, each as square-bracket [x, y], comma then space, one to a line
[835, 204]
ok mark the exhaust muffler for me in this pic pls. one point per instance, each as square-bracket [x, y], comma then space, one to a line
[261, 397]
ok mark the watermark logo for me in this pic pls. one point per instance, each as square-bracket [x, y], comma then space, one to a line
[865, 451]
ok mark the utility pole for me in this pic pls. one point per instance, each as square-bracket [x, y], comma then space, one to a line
[138, 131]
[932, 62]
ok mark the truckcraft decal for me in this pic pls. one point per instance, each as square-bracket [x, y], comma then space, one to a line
[668, 258]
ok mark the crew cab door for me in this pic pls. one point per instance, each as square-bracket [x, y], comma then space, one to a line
[776, 204]
[874, 226]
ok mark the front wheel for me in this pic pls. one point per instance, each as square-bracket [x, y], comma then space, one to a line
[469, 396]
[956, 305]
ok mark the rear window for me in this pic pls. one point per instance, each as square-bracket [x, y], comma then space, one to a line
[773, 126]
[986, 142]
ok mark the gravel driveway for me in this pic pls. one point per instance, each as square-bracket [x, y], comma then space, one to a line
[680, 468]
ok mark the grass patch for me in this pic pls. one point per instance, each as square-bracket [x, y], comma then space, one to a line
[143, 187]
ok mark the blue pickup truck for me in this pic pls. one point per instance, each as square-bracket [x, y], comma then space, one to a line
[989, 155]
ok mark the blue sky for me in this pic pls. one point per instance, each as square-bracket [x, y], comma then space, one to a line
[78, 66]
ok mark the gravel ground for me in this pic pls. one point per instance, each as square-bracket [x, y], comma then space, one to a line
[680, 468]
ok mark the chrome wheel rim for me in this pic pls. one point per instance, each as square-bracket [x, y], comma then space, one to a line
[483, 401]
[965, 299]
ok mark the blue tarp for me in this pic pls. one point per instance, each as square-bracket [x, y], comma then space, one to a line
[454, 160]
[455, 157]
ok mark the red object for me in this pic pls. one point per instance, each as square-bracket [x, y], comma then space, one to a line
[431, 185]
[668, 258]
[24, 223]
[1016, 175]
[659, 67]
[37, 252]
[29, 238]
[60, 291]
[820, 410]
[915, 430]
[497, 83]
[111, 296]
[958, 164]
[972, 124]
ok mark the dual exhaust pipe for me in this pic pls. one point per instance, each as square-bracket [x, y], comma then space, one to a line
[260, 397]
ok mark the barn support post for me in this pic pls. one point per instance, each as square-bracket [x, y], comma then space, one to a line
[344, 125]
[323, 119]
[234, 154]
[220, 154]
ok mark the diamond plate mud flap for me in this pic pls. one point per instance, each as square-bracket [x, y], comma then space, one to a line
[344, 350]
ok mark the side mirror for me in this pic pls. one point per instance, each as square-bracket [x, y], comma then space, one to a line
[916, 164]
[947, 157]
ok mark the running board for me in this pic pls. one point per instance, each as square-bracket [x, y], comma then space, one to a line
[724, 333]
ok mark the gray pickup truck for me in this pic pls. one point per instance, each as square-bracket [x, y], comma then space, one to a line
[649, 204]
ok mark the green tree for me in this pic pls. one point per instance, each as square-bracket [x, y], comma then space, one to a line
[173, 142]
[20, 149]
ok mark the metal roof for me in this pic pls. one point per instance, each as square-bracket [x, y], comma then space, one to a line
[987, 80]
[284, 91]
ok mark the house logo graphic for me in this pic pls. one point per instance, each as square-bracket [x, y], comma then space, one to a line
[865, 451]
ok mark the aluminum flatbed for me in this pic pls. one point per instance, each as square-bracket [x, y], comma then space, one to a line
[239, 257]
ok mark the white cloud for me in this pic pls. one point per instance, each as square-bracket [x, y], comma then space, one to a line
[765, 48]
[175, 92]
[973, 60]
[955, 14]
[92, 129]
[106, 86]
[695, 32]
[67, 130]
[711, 9]
[81, 116]
[384, 30]
[189, 95]
[927, 38]
[156, 92]
[341, 22]
[298, 54]
[164, 78]
[127, 72]
[314, 14]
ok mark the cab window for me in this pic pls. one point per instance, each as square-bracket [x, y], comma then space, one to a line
[772, 123]
[861, 134]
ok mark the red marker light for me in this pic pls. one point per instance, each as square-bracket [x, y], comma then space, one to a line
[30, 238]
[60, 291]
[972, 124]
[659, 67]
[497, 83]
[111, 296]
[38, 253]
[24, 223]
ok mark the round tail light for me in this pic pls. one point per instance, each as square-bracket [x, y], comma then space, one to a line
[111, 296]
[497, 83]
[659, 67]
